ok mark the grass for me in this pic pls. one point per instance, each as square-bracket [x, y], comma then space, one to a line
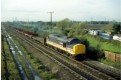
[3, 72]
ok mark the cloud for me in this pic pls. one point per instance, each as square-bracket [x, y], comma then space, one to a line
[73, 9]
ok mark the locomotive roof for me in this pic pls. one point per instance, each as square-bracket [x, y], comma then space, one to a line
[58, 37]
[64, 38]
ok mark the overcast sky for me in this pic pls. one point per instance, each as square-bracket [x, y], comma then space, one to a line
[80, 10]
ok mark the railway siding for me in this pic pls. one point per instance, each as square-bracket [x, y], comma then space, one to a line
[35, 74]
[11, 66]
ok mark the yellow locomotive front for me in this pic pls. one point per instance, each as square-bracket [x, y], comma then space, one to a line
[79, 49]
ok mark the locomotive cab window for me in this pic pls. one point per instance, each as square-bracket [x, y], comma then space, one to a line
[73, 41]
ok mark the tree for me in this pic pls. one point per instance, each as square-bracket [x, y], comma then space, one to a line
[35, 29]
[63, 24]
[78, 27]
[117, 28]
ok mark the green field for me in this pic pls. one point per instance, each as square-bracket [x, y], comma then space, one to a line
[108, 46]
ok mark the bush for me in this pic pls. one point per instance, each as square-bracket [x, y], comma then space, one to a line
[47, 75]
[95, 53]
[41, 67]
[84, 41]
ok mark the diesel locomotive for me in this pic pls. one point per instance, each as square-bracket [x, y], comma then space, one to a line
[71, 46]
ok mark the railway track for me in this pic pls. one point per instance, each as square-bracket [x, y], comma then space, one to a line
[19, 66]
[115, 73]
[34, 73]
[84, 70]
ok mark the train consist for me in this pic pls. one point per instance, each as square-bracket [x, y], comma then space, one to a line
[70, 46]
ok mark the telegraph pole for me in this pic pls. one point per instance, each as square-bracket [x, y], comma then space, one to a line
[16, 22]
[51, 20]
